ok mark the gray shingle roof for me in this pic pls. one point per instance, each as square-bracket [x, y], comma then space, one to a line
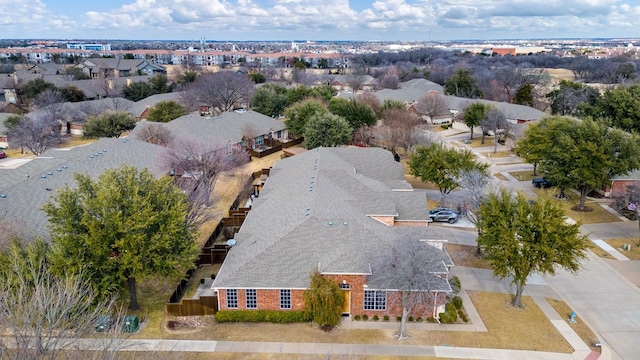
[140, 106]
[25, 195]
[312, 213]
[219, 129]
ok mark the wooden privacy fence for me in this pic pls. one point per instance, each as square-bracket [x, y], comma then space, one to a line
[273, 146]
[204, 305]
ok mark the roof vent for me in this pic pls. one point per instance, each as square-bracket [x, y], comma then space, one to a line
[49, 173]
[91, 156]
[3, 196]
[58, 169]
[330, 223]
[64, 166]
[43, 176]
[345, 223]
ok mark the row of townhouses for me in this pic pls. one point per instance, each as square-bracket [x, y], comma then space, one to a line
[179, 57]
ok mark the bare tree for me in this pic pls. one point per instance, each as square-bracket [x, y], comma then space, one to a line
[196, 167]
[476, 185]
[104, 87]
[355, 81]
[221, 91]
[416, 269]
[43, 316]
[432, 105]
[37, 132]
[368, 98]
[155, 134]
[496, 123]
[390, 79]
[399, 125]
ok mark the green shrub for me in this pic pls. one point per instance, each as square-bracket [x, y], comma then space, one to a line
[365, 317]
[410, 318]
[255, 316]
[419, 319]
[457, 302]
[356, 318]
[375, 318]
[464, 318]
[398, 318]
[385, 318]
[448, 307]
[431, 319]
[445, 126]
[455, 284]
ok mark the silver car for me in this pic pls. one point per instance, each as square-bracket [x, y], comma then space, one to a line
[444, 215]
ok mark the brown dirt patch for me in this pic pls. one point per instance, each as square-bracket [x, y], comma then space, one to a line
[465, 255]
[634, 246]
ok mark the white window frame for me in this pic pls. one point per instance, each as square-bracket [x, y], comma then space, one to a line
[232, 298]
[285, 299]
[375, 300]
[251, 298]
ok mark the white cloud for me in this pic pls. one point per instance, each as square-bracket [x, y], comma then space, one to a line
[26, 18]
[330, 19]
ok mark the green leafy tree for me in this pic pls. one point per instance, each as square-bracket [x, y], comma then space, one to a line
[323, 92]
[299, 113]
[357, 114]
[137, 91]
[257, 78]
[32, 88]
[160, 84]
[474, 115]
[123, 227]
[270, 100]
[76, 73]
[568, 97]
[324, 129]
[187, 78]
[165, 111]
[462, 84]
[71, 94]
[520, 238]
[392, 104]
[108, 124]
[621, 106]
[441, 166]
[324, 301]
[524, 95]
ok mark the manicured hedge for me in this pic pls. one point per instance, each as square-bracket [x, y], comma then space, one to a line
[254, 316]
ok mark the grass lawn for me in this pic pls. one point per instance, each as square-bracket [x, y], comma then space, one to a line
[580, 327]
[597, 215]
[259, 356]
[633, 254]
[500, 177]
[415, 182]
[599, 251]
[524, 175]
[465, 255]
[16, 153]
[508, 328]
[498, 154]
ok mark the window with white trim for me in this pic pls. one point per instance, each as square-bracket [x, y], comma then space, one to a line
[232, 298]
[375, 300]
[252, 298]
[285, 299]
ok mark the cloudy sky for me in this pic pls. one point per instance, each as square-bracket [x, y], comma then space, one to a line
[318, 19]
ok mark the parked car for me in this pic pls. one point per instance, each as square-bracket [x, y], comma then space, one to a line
[433, 211]
[541, 183]
[2, 155]
[449, 216]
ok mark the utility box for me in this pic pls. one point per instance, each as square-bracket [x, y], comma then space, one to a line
[130, 324]
[104, 323]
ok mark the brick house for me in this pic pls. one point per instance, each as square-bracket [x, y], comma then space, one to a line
[331, 210]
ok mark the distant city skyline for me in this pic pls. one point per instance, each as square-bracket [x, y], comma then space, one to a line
[386, 20]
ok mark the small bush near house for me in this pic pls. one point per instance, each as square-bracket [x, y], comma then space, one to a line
[365, 317]
[410, 318]
[445, 126]
[457, 302]
[419, 319]
[386, 318]
[398, 318]
[255, 316]
[450, 314]
[375, 318]
[455, 284]
[431, 319]
[462, 315]
[356, 318]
